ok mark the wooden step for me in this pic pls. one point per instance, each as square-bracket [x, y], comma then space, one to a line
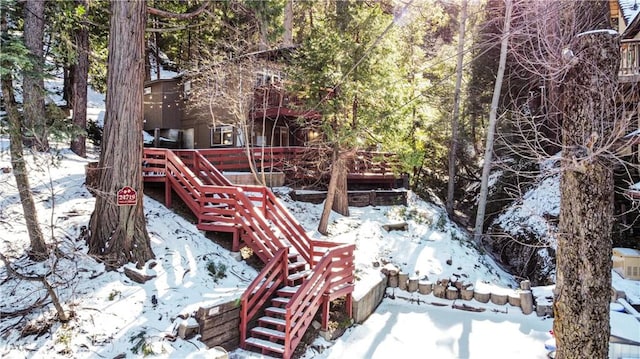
[267, 332]
[297, 265]
[298, 275]
[266, 345]
[272, 311]
[280, 301]
[272, 321]
[288, 291]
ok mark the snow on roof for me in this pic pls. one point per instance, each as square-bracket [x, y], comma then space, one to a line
[630, 9]
[627, 252]
[625, 326]
[631, 288]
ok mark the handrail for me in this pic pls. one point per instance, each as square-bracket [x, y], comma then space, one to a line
[629, 57]
[256, 210]
[212, 173]
[283, 220]
[261, 289]
[292, 158]
[272, 209]
[203, 200]
[305, 303]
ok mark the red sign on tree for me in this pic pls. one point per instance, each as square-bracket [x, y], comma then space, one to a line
[127, 196]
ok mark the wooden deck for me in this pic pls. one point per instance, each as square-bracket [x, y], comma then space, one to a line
[306, 167]
[629, 61]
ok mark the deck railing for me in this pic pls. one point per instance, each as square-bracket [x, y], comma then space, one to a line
[630, 61]
[299, 163]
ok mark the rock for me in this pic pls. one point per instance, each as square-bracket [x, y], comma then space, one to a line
[136, 276]
[188, 329]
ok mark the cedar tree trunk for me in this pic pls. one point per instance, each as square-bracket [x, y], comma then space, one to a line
[118, 233]
[583, 283]
[33, 80]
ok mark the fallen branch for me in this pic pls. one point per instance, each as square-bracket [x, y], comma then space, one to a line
[468, 308]
[62, 315]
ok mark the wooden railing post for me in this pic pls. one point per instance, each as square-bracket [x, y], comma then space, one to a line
[630, 57]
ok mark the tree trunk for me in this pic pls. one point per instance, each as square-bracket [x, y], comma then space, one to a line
[80, 83]
[493, 114]
[118, 233]
[583, 283]
[341, 199]
[38, 246]
[33, 81]
[287, 39]
[455, 121]
[337, 198]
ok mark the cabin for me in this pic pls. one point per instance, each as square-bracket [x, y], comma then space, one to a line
[240, 116]
[222, 111]
[626, 261]
[625, 18]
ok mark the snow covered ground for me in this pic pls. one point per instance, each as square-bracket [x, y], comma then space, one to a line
[115, 316]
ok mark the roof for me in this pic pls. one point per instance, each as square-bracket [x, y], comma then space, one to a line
[624, 328]
[629, 9]
[633, 28]
[627, 252]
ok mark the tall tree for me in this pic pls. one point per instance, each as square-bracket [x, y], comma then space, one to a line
[455, 121]
[583, 282]
[80, 79]
[493, 114]
[33, 78]
[351, 76]
[13, 57]
[118, 233]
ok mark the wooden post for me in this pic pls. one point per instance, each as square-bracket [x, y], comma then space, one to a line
[393, 280]
[466, 293]
[425, 287]
[499, 298]
[452, 293]
[514, 298]
[439, 291]
[482, 296]
[412, 286]
[402, 280]
[526, 301]
[525, 285]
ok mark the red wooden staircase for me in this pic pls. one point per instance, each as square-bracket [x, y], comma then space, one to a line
[301, 275]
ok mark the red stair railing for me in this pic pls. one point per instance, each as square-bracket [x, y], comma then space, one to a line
[261, 289]
[305, 303]
[255, 209]
[222, 204]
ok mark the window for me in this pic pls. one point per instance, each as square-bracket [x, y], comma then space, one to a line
[261, 140]
[615, 23]
[186, 89]
[222, 136]
[267, 77]
[282, 134]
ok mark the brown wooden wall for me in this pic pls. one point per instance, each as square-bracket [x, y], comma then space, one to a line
[164, 105]
[220, 325]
